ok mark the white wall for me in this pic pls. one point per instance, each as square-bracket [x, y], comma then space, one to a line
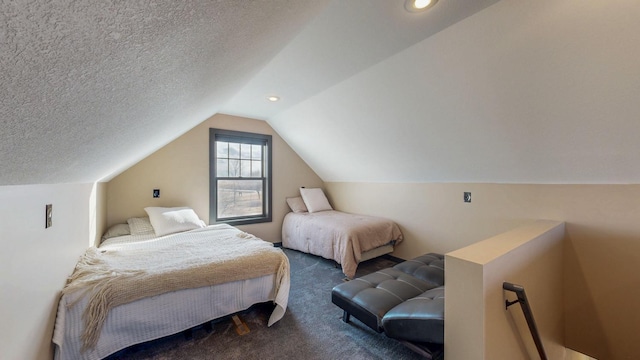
[35, 262]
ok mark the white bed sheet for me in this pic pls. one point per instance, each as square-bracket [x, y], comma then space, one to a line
[158, 316]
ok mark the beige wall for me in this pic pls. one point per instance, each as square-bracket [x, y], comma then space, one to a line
[98, 213]
[477, 324]
[602, 243]
[181, 171]
[35, 262]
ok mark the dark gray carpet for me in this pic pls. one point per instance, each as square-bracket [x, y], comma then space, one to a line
[311, 328]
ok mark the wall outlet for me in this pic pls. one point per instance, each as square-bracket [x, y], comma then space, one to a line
[467, 197]
[156, 193]
[48, 216]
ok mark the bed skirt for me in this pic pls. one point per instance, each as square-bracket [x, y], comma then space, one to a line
[159, 316]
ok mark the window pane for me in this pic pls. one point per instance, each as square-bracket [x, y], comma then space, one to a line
[246, 168]
[241, 184]
[256, 169]
[245, 151]
[222, 168]
[256, 152]
[234, 151]
[234, 168]
[239, 198]
[222, 149]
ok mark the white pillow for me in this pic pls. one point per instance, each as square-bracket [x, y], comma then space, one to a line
[296, 204]
[140, 226]
[116, 230]
[315, 200]
[171, 220]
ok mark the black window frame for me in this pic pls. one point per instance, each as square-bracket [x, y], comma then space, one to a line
[242, 138]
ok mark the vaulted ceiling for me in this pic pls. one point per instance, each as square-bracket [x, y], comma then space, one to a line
[88, 88]
[470, 91]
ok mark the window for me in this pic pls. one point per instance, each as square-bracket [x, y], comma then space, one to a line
[240, 177]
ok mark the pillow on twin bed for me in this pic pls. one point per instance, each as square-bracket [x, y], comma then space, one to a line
[140, 226]
[297, 205]
[315, 200]
[171, 220]
[116, 230]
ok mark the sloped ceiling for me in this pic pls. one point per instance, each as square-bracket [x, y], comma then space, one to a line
[348, 37]
[88, 88]
[471, 91]
[521, 92]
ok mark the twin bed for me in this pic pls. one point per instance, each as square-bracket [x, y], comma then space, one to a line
[348, 239]
[314, 227]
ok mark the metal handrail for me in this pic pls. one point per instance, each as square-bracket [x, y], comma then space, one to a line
[528, 314]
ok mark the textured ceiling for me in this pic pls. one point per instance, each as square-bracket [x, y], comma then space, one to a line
[90, 87]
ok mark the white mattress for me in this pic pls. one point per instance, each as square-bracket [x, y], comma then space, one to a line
[158, 316]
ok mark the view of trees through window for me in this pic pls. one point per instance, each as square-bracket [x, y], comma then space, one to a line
[240, 179]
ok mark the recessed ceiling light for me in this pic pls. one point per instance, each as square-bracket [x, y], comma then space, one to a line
[418, 5]
[273, 98]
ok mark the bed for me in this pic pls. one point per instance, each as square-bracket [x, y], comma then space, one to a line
[139, 287]
[314, 227]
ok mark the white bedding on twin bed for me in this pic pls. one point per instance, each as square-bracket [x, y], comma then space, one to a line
[162, 315]
[339, 236]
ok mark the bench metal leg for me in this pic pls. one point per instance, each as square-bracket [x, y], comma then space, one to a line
[346, 316]
[425, 352]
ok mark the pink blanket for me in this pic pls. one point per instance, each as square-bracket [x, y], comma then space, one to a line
[337, 235]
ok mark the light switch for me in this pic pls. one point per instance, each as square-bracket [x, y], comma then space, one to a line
[48, 216]
[467, 197]
[156, 193]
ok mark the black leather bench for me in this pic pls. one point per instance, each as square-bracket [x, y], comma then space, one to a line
[406, 302]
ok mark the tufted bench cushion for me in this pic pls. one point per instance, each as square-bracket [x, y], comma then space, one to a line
[419, 319]
[370, 297]
[429, 268]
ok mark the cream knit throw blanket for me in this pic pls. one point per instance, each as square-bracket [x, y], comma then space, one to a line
[192, 259]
